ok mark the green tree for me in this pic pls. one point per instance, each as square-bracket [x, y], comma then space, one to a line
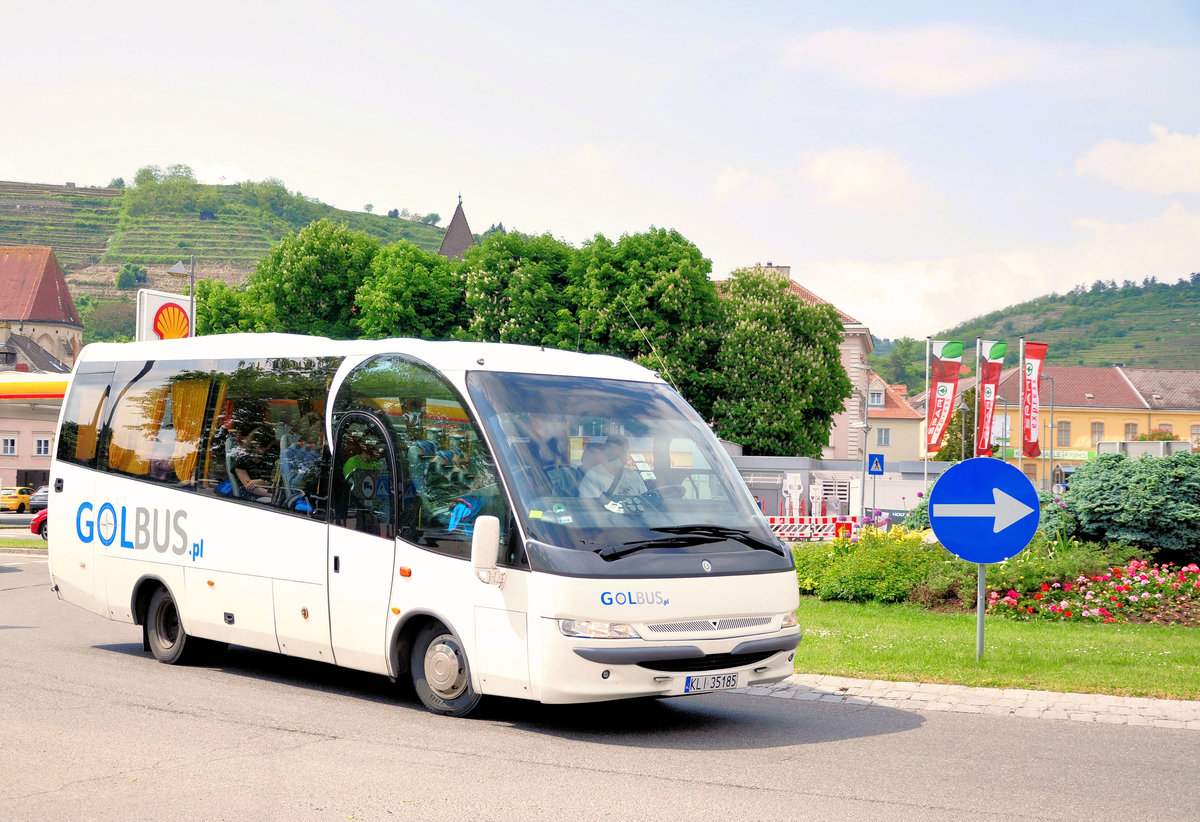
[307, 282]
[224, 309]
[369, 208]
[518, 291]
[648, 298]
[900, 364]
[779, 368]
[108, 321]
[410, 292]
[116, 182]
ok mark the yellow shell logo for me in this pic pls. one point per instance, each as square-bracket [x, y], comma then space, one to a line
[171, 322]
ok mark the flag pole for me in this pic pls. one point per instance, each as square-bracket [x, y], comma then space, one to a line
[928, 405]
[1021, 412]
[978, 391]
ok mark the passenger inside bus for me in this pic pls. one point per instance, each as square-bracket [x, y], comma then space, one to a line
[254, 465]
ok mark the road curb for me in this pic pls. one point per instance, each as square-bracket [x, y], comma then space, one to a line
[939, 697]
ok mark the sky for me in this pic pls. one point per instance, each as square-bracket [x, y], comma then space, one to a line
[916, 164]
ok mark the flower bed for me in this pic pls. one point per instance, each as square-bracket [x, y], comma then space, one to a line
[1137, 592]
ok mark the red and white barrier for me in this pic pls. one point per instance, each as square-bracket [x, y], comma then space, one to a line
[796, 529]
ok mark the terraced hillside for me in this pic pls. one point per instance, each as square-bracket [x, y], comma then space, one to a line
[237, 240]
[76, 222]
[93, 235]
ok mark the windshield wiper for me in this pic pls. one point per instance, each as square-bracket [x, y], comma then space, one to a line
[720, 532]
[609, 552]
[688, 536]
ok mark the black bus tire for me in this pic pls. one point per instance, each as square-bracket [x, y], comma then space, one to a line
[441, 674]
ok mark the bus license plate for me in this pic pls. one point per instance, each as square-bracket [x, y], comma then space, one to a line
[715, 682]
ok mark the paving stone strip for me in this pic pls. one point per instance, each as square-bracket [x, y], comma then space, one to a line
[919, 696]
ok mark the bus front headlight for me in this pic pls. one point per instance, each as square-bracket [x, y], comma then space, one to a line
[594, 629]
[789, 621]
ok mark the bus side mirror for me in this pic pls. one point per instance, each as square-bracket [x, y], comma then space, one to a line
[485, 549]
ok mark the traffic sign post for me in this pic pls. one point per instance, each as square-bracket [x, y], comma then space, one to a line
[983, 510]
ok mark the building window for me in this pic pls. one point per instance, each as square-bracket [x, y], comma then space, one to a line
[1064, 434]
[883, 436]
[41, 447]
[1130, 431]
[8, 446]
[1097, 432]
[1196, 433]
[875, 399]
[1166, 426]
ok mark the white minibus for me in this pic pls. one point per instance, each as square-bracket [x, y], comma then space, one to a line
[478, 518]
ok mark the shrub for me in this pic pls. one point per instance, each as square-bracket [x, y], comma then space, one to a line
[813, 561]
[1151, 502]
[879, 566]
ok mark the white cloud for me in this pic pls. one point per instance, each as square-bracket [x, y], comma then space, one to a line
[919, 297]
[1169, 165]
[946, 60]
[740, 185]
[858, 178]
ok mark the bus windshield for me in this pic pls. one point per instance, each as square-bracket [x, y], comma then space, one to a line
[616, 468]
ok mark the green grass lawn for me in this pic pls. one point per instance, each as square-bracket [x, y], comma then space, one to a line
[909, 643]
[21, 542]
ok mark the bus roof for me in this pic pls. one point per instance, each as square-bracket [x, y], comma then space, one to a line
[445, 356]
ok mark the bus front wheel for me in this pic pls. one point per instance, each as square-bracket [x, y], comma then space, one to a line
[440, 673]
[164, 632]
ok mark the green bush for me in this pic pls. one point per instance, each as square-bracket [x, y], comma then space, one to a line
[813, 561]
[1151, 502]
[881, 566]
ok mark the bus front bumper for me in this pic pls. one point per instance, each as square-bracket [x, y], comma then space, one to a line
[590, 671]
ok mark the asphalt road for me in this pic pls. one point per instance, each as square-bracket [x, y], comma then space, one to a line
[93, 728]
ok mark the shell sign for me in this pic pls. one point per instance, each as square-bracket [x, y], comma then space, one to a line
[171, 322]
[162, 315]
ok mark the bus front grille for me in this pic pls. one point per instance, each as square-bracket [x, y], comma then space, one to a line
[701, 626]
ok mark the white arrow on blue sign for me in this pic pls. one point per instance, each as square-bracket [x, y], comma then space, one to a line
[984, 510]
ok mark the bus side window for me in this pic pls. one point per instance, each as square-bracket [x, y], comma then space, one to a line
[362, 479]
[80, 433]
[450, 478]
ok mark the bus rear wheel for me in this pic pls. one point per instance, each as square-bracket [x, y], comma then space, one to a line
[440, 673]
[164, 632]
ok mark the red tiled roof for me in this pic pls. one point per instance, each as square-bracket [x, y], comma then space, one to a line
[1075, 386]
[895, 403]
[1166, 389]
[32, 288]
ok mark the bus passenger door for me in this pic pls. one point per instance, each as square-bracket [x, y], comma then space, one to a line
[362, 543]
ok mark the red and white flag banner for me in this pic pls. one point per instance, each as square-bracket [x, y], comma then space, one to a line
[1035, 357]
[989, 383]
[946, 359]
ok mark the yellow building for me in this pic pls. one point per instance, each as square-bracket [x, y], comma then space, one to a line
[1083, 406]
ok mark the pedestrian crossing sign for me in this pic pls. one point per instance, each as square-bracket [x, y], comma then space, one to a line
[876, 465]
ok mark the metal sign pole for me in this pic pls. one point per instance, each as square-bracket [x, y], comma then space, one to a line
[980, 607]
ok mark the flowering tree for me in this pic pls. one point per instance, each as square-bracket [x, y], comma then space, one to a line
[410, 292]
[517, 290]
[780, 376]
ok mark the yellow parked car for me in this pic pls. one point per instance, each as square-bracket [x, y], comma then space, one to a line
[15, 499]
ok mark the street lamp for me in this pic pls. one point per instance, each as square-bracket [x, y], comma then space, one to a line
[180, 270]
[865, 425]
[1053, 434]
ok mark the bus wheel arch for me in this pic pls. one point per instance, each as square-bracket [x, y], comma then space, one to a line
[440, 670]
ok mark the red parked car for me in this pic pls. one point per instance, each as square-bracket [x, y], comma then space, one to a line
[38, 524]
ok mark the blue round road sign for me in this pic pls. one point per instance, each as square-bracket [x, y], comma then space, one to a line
[984, 510]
